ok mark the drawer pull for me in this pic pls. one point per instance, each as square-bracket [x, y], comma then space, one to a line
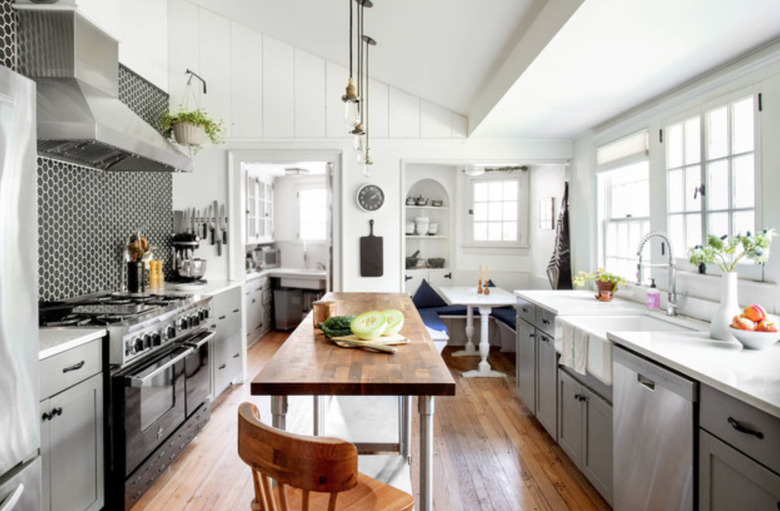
[237, 355]
[236, 310]
[222, 366]
[742, 429]
[74, 367]
[545, 321]
[222, 317]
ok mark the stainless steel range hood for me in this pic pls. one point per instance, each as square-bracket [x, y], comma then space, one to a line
[80, 117]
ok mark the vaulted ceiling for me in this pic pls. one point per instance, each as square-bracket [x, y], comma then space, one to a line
[526, 68]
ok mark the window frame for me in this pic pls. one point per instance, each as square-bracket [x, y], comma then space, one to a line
[745, 270]
[523, 204]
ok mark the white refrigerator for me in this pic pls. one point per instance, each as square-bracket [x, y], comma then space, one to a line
[20, 439]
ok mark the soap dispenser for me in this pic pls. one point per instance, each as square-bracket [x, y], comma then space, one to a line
[653, 296]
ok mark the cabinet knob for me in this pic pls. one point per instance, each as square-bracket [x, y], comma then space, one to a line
[407, 278]
[448, 275]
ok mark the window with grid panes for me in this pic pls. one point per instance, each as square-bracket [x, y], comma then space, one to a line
[495, 210]
[624, 200]
[710, 166]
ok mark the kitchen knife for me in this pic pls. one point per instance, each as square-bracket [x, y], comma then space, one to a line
[219, 236]
[205, 220]
[223, 219]
[212, 220]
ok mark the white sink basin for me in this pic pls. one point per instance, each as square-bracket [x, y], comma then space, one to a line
[599, 358]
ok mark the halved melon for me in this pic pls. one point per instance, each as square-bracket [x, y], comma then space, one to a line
[369, 325]
[395, 320]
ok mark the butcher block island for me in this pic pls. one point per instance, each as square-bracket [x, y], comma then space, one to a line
[310, 364]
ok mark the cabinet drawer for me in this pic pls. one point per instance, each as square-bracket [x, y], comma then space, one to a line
[226, 302]
[734, 422]
[526, 311]
[545, 321]
[65, 369]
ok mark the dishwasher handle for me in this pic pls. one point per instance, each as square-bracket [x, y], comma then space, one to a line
[646, 382]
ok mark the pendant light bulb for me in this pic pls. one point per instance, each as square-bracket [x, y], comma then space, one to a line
[360, 157]
[367, 164]
[351, 114]
[360, 142]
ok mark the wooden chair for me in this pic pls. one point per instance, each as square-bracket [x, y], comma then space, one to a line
[319, 470]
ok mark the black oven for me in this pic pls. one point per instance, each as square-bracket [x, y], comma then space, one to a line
[196, 370]
[152, 399]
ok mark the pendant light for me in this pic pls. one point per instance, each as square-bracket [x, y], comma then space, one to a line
[365, 141]
[351, 98]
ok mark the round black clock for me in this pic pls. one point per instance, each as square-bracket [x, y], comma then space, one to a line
[370, 197]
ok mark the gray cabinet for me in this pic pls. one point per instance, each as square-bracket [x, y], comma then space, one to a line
[258, 299]
[739, 454]
[228, 348]
[585, 431]
[525, 363]
[731, 481]
[537, 363]
[72, 430]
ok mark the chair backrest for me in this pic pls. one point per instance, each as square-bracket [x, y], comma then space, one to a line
[318, 464]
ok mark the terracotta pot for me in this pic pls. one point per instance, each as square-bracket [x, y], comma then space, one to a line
[189, 134]
[606, 290]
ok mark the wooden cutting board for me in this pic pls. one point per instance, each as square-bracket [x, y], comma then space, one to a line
[371, 252]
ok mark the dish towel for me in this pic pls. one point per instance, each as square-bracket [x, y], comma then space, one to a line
[559, 267]
[574, 349]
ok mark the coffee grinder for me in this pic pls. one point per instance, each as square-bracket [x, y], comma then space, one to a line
[186, 267]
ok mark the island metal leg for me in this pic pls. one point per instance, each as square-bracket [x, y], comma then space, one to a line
[470, 350]
[279, 412]
[425, 408]
[484, 349]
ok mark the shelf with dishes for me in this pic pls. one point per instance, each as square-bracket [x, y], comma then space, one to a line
[427, 237]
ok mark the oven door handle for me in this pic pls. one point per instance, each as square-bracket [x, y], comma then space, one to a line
[139, 382]
[201, 339]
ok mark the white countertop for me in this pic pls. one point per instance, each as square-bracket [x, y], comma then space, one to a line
[578, 302]
[211, 287]
[54, 340]
[468, 296]
[752, 376]
[289, 272]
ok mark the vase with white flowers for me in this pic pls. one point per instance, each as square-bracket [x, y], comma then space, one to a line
[726, 252]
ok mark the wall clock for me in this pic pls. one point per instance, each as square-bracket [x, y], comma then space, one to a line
[370, 197]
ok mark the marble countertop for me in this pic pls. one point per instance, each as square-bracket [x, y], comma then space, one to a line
[752, 376]
[210, 288]
[288, 272]
[469, 296]
[578, 302]
[54, 340]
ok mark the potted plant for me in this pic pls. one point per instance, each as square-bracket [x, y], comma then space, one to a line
[726, 253]
[191, 127]
[606, 282]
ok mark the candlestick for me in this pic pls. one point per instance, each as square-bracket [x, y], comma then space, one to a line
[479, 281]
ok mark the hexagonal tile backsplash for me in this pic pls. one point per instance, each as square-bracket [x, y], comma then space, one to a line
[7, 34]
[85, 218]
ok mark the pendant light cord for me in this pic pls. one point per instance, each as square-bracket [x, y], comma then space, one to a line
[365, 128]
[350, 38]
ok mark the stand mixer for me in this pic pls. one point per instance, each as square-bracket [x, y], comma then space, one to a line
[186, 267]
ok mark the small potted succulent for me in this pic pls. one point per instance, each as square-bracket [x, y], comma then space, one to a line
[191, 127]
[606, 282]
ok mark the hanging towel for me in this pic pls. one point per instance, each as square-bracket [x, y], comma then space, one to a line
[574, 349]
[559, 267]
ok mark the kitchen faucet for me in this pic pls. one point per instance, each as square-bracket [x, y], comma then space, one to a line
[671, 303]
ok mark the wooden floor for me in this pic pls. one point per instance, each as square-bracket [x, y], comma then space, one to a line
[490, 453]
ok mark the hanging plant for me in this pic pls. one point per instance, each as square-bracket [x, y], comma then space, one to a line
[192, 127]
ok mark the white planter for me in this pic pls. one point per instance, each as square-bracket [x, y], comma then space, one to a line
[729, 307]
[189, 134]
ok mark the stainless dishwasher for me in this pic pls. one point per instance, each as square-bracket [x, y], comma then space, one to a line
[654, 435]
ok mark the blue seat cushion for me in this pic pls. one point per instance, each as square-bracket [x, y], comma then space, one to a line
[426, 297]
[506, 315]
[432, 320]
[452, 310]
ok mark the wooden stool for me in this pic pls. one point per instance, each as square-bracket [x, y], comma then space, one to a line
[318, 470]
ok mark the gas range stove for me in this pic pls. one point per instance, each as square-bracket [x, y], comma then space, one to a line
[137, 324]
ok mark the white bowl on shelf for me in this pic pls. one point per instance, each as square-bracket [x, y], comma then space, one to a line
[755, 340]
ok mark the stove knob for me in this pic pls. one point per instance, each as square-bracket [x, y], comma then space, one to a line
[194, 320]
[147, 341]
[156, 340]
[170, 332]
[138, 345]
[205, 313]
[183, 324]
[128, 348]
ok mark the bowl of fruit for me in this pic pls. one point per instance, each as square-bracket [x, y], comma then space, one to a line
[754, 328]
